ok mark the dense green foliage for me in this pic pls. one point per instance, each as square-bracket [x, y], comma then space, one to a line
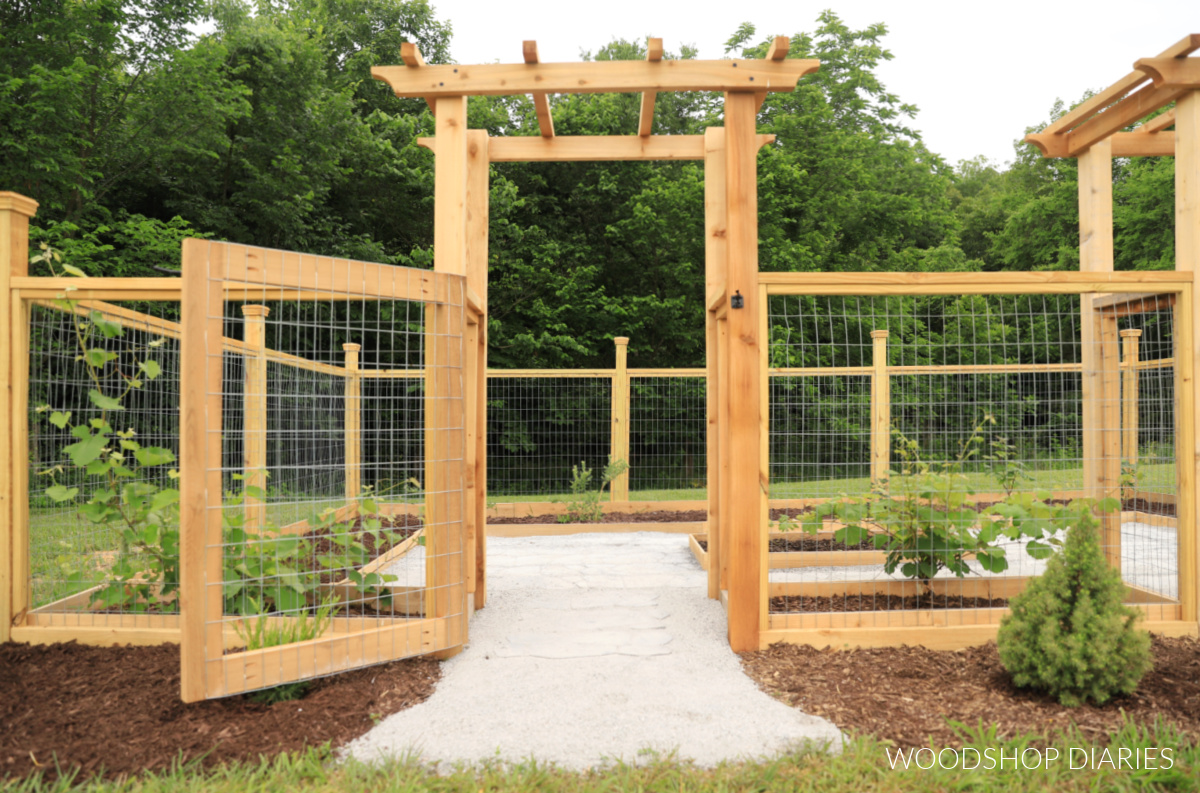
[133, 132]
[1069, 632]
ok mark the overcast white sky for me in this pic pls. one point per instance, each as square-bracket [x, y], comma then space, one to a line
[979, 72]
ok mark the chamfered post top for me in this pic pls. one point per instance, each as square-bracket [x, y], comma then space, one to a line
[621, 341]
[251, 310]
[880, 334]
[15, 202]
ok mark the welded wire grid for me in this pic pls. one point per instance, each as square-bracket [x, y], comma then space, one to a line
[986, 399]
[94, 545]
[333, 528]
[540, 427]
[667, 440]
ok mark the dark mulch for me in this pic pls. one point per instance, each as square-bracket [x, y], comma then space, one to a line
[802, 543]
[118, 710]
[650, 516]
[907, 694]
[1153, 507]
[795, 604]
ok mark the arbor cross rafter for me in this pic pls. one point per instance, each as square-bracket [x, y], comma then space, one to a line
[1153, 84]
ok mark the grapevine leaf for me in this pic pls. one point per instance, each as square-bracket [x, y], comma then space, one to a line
[62, 492]
[104, 402]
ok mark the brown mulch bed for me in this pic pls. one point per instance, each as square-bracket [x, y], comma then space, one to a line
[650, 516]
[802, 543]
[796, 604]
[117, 710]
[907, 694]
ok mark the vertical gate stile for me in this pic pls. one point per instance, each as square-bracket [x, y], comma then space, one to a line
[15, 212]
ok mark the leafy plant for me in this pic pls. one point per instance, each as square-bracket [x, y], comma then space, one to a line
[269, 630]
[1006, 466]
[1131, 478]
[119, 471]
[923, 519]
[584, 505]
[920, 516]
[1069, 632]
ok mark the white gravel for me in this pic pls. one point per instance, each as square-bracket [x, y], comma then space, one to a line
[595, 648]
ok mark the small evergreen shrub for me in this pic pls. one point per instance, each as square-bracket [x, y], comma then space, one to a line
[1069, 632]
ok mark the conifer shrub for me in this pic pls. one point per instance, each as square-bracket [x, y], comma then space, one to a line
[1070, 633]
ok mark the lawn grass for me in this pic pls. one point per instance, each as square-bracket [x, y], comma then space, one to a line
[1153, 477]
[865, 764]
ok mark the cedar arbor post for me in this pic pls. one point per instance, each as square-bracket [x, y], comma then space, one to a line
[737, 471]
[1094, 133]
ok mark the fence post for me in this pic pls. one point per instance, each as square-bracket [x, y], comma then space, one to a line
[881, 409]
[1187, 259]
[15, 212]
[1130, 396]
[254, 452]
[619, 439]
[353, 422]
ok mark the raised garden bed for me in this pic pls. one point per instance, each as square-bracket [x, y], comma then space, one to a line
[76, 616]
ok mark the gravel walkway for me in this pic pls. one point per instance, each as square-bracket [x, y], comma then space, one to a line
[595, 648]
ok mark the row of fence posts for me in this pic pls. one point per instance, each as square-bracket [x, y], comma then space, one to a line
[881, 402]
[255, 448]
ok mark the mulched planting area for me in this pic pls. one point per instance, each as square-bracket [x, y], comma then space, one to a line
[796, 604]
[650, 516]
[907, 694]
[117, 710]
[803, 543]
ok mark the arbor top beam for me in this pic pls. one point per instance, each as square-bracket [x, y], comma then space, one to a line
[595, 77]
[1154, 83]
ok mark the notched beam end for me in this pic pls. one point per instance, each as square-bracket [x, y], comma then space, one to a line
[1048, 143]
[654, 49]
[529, 51]
[1171, 72]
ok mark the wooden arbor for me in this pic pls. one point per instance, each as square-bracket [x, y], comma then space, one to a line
[1094, 133]
[737, 486]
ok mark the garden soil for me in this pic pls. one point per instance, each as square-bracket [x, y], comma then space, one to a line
[909, 695]
[117, 711]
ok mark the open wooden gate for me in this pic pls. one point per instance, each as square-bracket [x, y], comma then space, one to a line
[346, 379]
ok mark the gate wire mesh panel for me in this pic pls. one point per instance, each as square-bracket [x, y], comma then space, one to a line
[540, 427]
[1149, 487]
[103, 430]
[667, 444]
[984, 402]
[341, 539]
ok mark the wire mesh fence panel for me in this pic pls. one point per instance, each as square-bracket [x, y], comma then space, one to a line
[541, 428]
[103, 439]
[668, 444]
[952, 440]
[820, 435]
[333, 521]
